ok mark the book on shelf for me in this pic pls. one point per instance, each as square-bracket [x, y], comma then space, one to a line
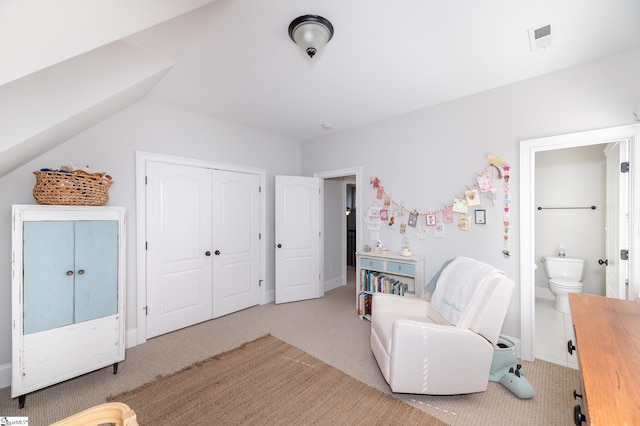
[364, 305]
[377, 282]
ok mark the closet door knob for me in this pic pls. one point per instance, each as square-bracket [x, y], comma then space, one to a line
[69, 273]
[217, 252]
[81, 272]
[207, 253]
[279, 245]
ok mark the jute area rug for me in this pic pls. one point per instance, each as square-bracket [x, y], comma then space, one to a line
[266, 381]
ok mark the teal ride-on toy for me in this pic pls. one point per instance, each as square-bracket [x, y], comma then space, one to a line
[506, 370]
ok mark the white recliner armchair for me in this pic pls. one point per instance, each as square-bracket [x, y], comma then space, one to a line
[442, 346]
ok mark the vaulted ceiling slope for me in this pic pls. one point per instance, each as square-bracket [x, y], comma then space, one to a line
[233, 59]
[63, 68]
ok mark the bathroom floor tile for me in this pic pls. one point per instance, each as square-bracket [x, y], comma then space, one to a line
[552, 331]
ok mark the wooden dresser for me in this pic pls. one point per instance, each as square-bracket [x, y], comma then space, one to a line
[608, 345]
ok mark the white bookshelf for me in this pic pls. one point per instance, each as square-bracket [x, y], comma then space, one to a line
[386, 273]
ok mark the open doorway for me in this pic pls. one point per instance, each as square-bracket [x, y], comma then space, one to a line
[528, 151]
[340, 193]
[571, 186]
[351, 213]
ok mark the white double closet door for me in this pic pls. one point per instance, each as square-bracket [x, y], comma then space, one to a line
[203, 233]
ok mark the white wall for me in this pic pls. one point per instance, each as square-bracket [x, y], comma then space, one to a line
[111, 146]
[426, 158]
[572, 177]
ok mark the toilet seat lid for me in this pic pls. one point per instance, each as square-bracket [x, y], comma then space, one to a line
[563, 282]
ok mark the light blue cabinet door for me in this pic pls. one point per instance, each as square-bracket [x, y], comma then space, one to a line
[96, 269]
[70, 272]
[48, 275]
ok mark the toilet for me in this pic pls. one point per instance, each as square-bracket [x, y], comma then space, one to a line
[565, 276]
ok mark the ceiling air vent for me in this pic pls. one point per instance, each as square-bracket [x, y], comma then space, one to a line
[539, 38]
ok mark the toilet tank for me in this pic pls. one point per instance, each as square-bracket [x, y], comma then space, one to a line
[570, 268]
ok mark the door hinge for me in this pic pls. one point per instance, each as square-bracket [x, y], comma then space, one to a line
[260, 283]
[146, 311]
[146, 245]
[624, 167]
[624, 254]
[259, 235]
[145, 180]
[259, 188]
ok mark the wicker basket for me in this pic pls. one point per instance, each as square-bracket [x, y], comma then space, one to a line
[71, 189]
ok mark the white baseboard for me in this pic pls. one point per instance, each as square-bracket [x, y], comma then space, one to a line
[5, 375]
[269, 297]
[544, 293]
[131, 338]
[332, 284]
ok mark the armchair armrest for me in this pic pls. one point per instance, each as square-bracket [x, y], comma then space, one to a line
[411, 306]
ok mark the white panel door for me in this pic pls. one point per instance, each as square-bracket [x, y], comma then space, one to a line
[617, 220]
[179, 271]
[297, 239]
[236, 237]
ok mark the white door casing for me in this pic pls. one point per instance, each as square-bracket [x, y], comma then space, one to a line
[179, 229]
[528, 149]
[297, 238]
[356, 173]
[617, 219]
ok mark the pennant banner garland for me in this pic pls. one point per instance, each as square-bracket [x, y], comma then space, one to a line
[388, 214]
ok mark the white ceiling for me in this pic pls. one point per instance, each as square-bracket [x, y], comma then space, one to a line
[235, 61]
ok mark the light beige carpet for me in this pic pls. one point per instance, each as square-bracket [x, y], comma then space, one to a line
[328, 329]
[270, 382]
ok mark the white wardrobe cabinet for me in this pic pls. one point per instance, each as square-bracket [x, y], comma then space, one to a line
[68, 292]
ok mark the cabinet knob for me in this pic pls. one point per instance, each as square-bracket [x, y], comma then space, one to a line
[576, 395]
[207, 253]
[81, 272]
[217, 252]
[570, 347]
[69, 273]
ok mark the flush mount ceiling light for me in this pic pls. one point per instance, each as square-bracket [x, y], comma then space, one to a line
[310, 32]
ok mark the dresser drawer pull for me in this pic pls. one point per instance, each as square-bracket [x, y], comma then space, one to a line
[578, 417]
